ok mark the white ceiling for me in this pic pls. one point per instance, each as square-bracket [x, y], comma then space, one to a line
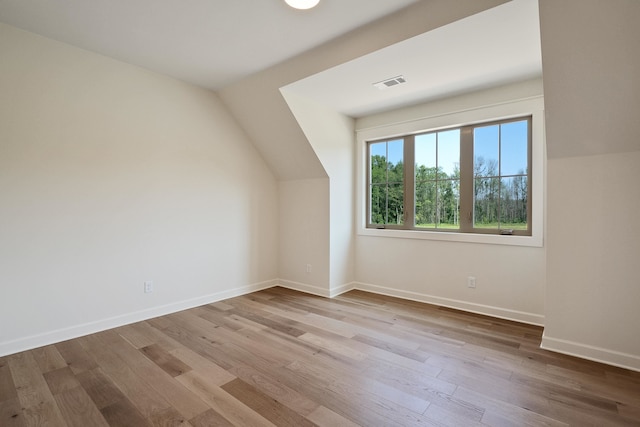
[213, 43]
[495, 47]
[210, 43]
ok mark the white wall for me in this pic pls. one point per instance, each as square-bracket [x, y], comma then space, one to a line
[594, 287]
[259, 106]
[111, 175]
[331, 136]
[591, 65]
[304, 235]
[510, 279]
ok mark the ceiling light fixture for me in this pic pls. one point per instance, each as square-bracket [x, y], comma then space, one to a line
[302, 4]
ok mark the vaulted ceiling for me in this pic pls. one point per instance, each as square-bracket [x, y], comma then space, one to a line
[495, 47]
[247, 50]
[210, 43]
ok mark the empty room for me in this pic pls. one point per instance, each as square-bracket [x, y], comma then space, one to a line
[332, 213]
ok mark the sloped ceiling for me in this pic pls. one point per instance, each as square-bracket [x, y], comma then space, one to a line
[258, 105]
[210, 43]
[247, 50]
[492, 48]
[591, 76]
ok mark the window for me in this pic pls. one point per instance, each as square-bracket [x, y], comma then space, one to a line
[387, 182]
[469, 179]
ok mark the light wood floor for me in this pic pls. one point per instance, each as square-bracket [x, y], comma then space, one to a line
[279, 357]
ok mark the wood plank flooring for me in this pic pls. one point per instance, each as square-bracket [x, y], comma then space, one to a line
[284, 358]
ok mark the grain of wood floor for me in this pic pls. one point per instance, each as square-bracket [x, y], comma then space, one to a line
[280, 357]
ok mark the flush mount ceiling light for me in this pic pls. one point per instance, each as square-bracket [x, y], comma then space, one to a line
[302, 4]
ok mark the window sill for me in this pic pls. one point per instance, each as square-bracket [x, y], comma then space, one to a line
[489, 239]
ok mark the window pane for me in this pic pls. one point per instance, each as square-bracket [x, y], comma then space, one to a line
[387, 204]
[395, 155]
[395, 204]
[448, 204]
[449, 153]
[513, 203]
[486, 203]
[486, 145]
[386, 189]
[378, 204]
[514, 148]
[425, 205]
[425, 151]
[494, 181]
[378, 162]
[378, 149]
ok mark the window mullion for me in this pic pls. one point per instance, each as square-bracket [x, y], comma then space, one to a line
[529, 174]
[466, 179]
[409, 181]
[500, 219]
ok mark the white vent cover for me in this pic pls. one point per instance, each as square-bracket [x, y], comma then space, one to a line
[393, 81]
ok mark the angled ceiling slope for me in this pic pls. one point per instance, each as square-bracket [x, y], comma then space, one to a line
[492, 48]
[210, 43]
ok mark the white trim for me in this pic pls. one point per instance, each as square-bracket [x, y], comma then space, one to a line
[596, 354]
[490, 239]
[342, 289]
[487, 310]
[316, 290]
[58, 335]
[304, 287]
[416, 123]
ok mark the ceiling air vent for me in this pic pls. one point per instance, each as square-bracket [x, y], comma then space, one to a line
[393, 81]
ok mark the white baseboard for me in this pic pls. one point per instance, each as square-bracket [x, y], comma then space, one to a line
[304, 287]
[487, 310]
[316, 290]
[342, 289]
[58, 335]
[501, 313]
[596, 354]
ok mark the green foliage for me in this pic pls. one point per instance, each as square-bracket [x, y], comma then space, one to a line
[499, 202]
[437, 198]
[387, 191]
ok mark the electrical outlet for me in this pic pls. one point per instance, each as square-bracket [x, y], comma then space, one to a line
[471, 282]
[148, 286]
[308, 268]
